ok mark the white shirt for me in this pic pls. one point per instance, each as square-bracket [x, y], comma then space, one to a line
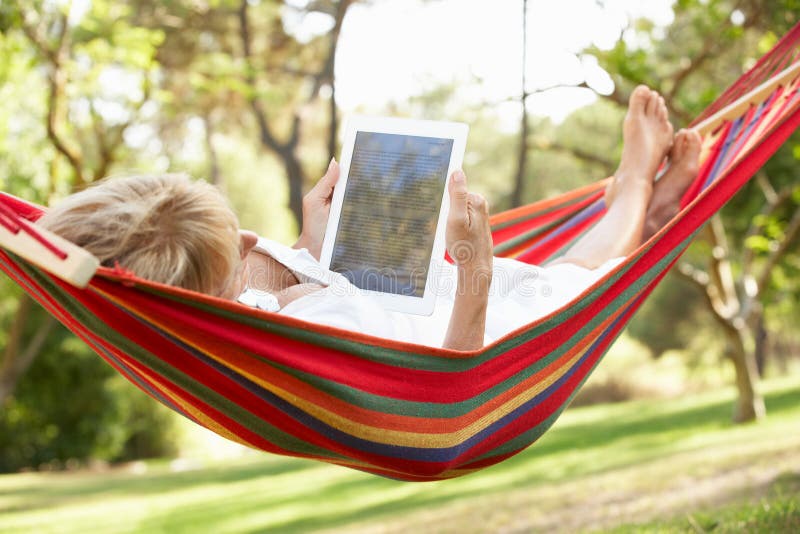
[519, 294]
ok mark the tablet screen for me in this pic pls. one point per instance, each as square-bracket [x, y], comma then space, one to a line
[391, 206]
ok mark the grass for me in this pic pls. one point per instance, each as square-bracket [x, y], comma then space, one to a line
[645, 466]
[777, 511]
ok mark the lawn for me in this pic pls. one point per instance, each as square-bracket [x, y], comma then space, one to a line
[657, 465]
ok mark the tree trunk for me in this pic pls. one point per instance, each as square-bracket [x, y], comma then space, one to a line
[762, 344]
[749, 404]
[17, 360]
[330, 68]
[214, 175]
[294, 173]
[522, 154]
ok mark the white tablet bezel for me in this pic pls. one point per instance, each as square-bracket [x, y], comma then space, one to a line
[422, 128]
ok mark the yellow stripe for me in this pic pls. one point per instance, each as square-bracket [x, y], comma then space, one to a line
[755, 136]
[200, 416]
[397, 437]
[415, 439]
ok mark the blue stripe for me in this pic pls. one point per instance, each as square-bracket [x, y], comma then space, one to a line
[438, 455]
[586, 213]
[725, 147]
[39, 294]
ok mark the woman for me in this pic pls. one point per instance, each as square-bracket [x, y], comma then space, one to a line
[172, 230]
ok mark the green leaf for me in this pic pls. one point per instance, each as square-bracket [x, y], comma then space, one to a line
[757, 243]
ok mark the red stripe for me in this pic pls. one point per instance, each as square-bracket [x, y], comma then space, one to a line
[15, 223]
[390, 381]
[541, 253]
[762, 70]
[510, 232]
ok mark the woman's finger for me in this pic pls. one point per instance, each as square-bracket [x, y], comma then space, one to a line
[324, 187]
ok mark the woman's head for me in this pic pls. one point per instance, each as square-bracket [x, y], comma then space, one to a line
[166, 228]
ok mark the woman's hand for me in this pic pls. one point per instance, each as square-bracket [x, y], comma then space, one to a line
[469, 242]
[468, 236]
[316, 208]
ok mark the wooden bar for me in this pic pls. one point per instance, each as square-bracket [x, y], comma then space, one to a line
[77, 268]
[755, 97]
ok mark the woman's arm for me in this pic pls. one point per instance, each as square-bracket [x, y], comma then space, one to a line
[468, 320]
[469, 242]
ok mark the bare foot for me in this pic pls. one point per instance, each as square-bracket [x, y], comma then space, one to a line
[668, 190]
[646, 136]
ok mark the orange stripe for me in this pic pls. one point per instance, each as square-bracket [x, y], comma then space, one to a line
[547, 203]
[271, 378]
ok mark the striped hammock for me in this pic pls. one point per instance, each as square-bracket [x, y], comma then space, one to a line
[395, 409]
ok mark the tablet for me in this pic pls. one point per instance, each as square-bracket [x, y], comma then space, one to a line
[386, 226]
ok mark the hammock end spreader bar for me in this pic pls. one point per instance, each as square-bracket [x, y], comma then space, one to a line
[46, 250]
[753, 98]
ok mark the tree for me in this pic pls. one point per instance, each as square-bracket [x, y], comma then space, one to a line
[89, 143]
[282, 47]
[70, 114]
[739, 282]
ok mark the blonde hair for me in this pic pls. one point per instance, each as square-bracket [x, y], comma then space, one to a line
[166, 228]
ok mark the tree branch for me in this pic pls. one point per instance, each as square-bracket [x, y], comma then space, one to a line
[792, 231]
[720, 268]
[326, 74]
[766, 187]
[57, 82]
[110, 143]
[710, 49]
[285, 151]
[774, 201]
[522, 148]
[607, 164]
[333, 125]
[265, 133]
[702, 281]
[214, 175]
[533, 92]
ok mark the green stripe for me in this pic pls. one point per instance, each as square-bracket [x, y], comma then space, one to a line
[529, 437]
[449, 410]
[540, 213]
[527, 236]
[388, 405]
[208, 396]
[388, 356]
[562, 250]
[398, 358]
[579, 305]
[357, 397]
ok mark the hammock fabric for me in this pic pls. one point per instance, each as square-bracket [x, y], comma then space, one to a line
[394, 409]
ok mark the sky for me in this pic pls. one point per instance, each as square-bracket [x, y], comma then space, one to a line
[391, 49]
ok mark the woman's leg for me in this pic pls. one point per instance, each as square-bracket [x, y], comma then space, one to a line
[647, 136]
[668, 190]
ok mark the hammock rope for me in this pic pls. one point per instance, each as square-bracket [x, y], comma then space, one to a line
[396, 409]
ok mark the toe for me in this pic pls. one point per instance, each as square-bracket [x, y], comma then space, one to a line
[652, 103]
[693, 143]
[693, 140]
[686, 149]
[678, 144]
[639, 98]
[662, 108]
